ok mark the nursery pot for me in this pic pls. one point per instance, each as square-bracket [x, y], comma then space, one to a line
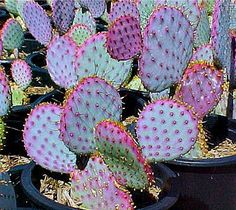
[165, 179]
[209, 184]
[30, 44]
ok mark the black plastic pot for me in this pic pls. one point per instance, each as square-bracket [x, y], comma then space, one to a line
[209, 184]
[30, 44]
[165, 178]
[4, 15]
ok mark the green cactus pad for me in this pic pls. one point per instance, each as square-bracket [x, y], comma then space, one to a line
[11, 6]
[2, 133]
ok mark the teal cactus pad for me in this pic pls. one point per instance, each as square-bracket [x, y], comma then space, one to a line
[167, 49]
[21, 73]
[123, 7]
[11, 6]
[201, 87]
[5, 97]
[42, 141]
[63, 13]
[166, 129]
[60, 61]
[92, 59]
[97, 189]
[203, 31]
[204, 53]
[38, 22]
[20, 6]
[90, 102]
[96, 7]
[12, 34]
[79, 33]
[123, 155]
[85, 18]
[233, 15]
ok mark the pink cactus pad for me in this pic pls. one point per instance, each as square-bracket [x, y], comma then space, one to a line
[201, 87]
[122, 155]
[96, 7]
[1, 47]
[60, 61]
[124, 39]
[12, 34]
[21, 73]
[97, 189]
[42, 142]
[167, 49]
[123, 7]
[91, 101]
[38, 22]
[63, 13]
[166, 129]
[203, 53]
[5, 97]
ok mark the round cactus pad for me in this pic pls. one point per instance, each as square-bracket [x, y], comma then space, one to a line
[97, 189]
[11, 6]
[91, 101]
[204, 53]
[168, 45]
[96, 7]
[166, 129]
[42, 141]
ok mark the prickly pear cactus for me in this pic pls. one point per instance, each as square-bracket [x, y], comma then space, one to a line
[42, 141]
[221, 40]
[5, 93]
[123, 7]
[61, 54]
[20, 7]
[122, 155]
[38, 22]
[97, 189]
[79, 33]
[204, 53]
[201, 87]
[233, 15]
[167, 50]
[21, 73]
[92, 59]
[1, 47]
[166, 129]
[85, 18]
[11, 6]
[12, 34]
[91, 101]
[203, 31]
[96, 7]
[124, 39]
[18, 95]
[2, 133]
[63, 13]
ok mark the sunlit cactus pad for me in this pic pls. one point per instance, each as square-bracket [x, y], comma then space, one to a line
[2, 133]
[124, 39]
[11, 6]
[42, 141]
[5, 97]
[85, 18]
[123, 7]
[21, 73]
[92, 59]
[96, 7]
[79, 33]
[60, 61]
[168, 45]
[166, 129]
[12, 35]
[38, 22]
[122, 155]
[63, 13]
[97, 189]
[201, 87]
[204, 53]
[91, 101]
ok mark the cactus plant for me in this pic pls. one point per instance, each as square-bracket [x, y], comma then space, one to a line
[204, 53]
[122, 155]
[38, 22]
[167, 129]
[92, 59]
[92, 100]
[96, 187]
[63, 14]
[20, 7]
[1, 47]
[11, 6]
[12, 35]
[2, 133]
[96, 7]
[166, 53]
[42, 139]
[124, 39]
[201, 87]
[61, 54]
